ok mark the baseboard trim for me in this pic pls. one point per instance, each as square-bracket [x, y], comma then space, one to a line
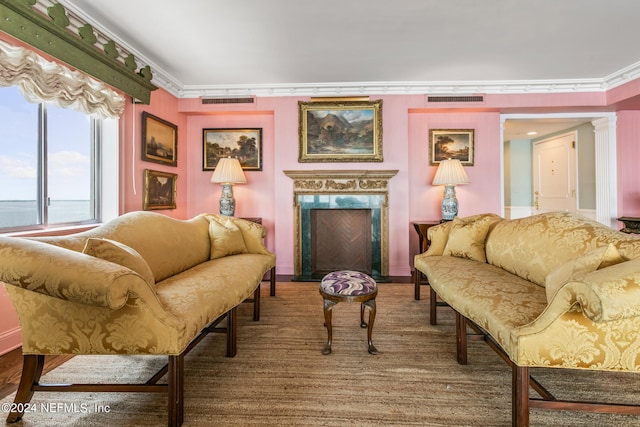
[10, 340]
[392, 279]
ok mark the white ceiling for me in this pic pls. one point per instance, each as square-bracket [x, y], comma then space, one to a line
[195, 47]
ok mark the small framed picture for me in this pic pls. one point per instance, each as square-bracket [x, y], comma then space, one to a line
[451, 144]
[159, 140]
[159, 190]
[242, 144]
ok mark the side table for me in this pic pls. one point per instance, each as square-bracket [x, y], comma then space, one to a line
[422, 228]
[421, 279]
[631, 224]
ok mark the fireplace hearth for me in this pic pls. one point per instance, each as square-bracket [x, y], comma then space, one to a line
[340, 222]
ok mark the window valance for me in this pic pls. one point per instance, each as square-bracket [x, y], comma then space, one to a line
[40, 80]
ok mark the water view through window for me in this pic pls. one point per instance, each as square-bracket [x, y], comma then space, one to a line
[46, 166]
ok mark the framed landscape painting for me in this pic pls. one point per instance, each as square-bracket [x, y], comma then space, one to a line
[340, 131]
[159, 190]
[159, 140]
[243, 144]
[451, 144]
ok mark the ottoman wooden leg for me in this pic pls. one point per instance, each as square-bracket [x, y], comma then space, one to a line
[371, 304]
[328, 306]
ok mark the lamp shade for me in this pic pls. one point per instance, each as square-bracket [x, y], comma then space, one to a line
[450, 172]
[228, 171]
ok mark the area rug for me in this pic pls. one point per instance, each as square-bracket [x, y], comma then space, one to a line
[280, 378]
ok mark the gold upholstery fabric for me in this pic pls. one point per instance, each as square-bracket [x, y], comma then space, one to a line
[598, 258]
[467, 236]
[69, 302]
[438, 237]
[592, 322]
[168, 245]
[121, 254]
[226, 238]
[495, 299]
[534, 246]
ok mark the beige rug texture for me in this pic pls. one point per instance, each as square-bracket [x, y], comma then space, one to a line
[280, 378]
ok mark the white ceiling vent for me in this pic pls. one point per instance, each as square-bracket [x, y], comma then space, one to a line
[229, 100]
[463, 98]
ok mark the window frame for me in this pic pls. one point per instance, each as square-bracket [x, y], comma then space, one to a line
[102, 133]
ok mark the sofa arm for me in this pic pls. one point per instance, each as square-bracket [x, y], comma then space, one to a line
[66, 274]
[611, 293]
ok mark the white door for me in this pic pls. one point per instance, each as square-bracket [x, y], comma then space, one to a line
[554, 174]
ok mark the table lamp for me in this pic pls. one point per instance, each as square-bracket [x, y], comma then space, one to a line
[228, 172]
[450, 173]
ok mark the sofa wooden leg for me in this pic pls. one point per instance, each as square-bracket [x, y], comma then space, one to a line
[417, 277]
[176, 390]
[232, 332]
[32, 366]
[520, 396]
[461, 339]
[272, 282]
[256, 304]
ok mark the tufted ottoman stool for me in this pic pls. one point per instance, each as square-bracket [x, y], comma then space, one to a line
[349, 286]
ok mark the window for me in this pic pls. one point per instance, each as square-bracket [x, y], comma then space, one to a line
[49, 164]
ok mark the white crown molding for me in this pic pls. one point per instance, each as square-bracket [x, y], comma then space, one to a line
[163, 79]
[396, 88]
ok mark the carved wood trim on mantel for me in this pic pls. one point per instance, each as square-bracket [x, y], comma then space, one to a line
[340, 181]
[332, 182]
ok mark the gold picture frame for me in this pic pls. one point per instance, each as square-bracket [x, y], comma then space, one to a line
[159, 190]
[243, 144]
[451, 144]
[340, 131]
[159, 140]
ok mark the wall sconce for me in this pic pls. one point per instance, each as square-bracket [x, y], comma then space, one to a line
[450, 173]
[228, 172]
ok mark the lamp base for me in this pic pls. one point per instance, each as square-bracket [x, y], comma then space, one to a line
[227, 202]
[449, 203]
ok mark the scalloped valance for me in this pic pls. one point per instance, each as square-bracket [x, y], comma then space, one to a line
[76, 43]
[42, 81]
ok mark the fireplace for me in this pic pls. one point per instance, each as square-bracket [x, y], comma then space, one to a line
[340, 222]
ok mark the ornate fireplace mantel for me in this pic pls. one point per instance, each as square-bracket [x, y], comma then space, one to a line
[341, 189]
[340, 181]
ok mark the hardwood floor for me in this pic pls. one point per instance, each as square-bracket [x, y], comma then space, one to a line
[11, 368]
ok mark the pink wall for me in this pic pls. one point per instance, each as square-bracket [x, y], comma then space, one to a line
[628, 155]
[253, 199]
[165, 106]
[406, 123]
[269, 193]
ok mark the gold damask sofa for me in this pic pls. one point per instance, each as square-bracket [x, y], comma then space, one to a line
[555, 290]
[141, 284]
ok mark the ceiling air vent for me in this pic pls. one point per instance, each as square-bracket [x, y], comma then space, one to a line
[469, 98]
[230, 100]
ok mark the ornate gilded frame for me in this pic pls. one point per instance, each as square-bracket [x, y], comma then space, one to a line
[461, 139]
[159, 140]
[159, 190]
[243, 144]
[340, 131]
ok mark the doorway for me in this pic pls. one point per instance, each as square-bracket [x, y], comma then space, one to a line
[555, 174]
[604, 125]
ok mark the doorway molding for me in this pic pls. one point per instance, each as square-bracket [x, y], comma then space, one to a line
[605, 156]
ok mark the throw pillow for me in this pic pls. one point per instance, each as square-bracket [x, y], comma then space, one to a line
[595, 260]
[438, 236]
[226, 238]
[467, 237]
[121, 254]
[253, 234]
